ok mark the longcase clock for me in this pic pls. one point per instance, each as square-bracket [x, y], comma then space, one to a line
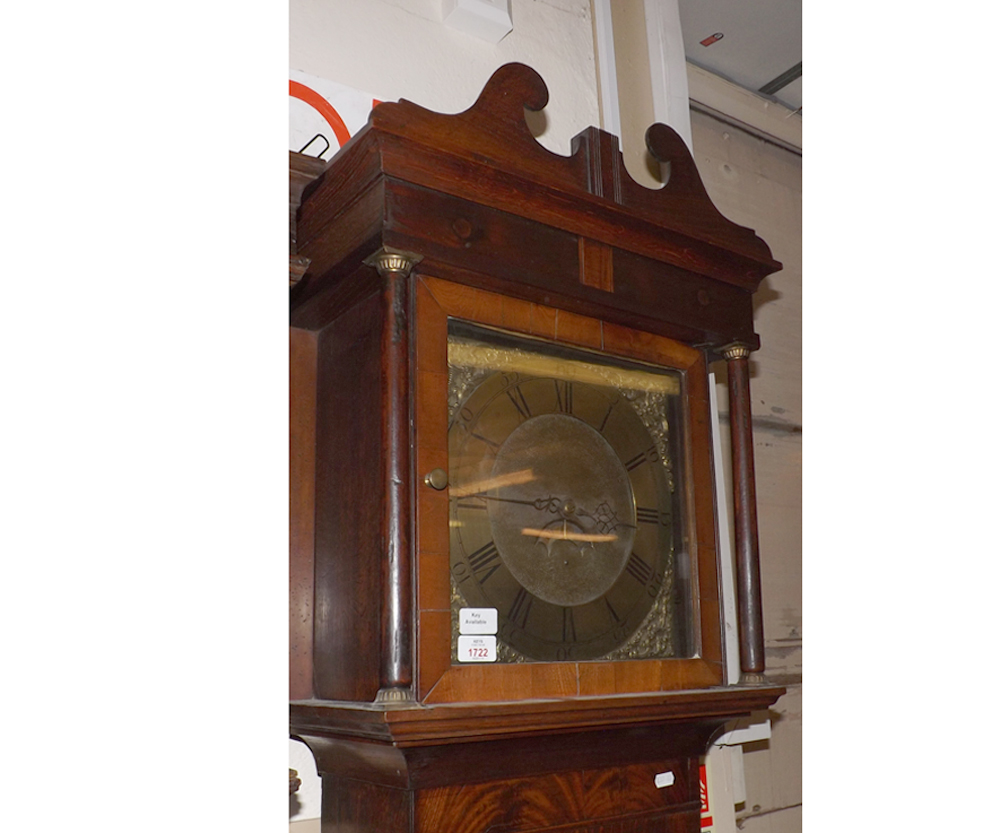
[505, 583]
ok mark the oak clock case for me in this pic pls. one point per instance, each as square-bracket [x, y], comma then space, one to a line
[521, 341]
[566, 502]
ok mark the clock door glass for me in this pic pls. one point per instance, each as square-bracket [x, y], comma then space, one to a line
[566, 492]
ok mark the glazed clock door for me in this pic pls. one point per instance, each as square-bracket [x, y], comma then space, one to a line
[567, 553]
[564, 511]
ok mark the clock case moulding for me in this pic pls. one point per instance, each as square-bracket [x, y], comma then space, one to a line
[421, 216]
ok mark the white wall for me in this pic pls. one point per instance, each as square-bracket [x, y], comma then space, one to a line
[756, 184]
[401, 49]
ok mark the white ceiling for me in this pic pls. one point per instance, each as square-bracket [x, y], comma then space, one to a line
[760, 48]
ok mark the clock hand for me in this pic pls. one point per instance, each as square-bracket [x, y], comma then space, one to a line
[564, 508]
[551, 504]
[605, 524]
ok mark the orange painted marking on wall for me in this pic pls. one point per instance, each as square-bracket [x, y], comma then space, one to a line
[323, 107]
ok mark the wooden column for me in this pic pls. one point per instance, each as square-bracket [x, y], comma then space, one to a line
[396, 680]
[750, 616]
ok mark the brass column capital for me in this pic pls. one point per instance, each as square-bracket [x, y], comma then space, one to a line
[389, 261]
[736, 350]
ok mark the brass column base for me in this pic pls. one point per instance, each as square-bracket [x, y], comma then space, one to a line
[394, 697]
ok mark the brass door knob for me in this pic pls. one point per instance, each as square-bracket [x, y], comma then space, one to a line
[437, 479]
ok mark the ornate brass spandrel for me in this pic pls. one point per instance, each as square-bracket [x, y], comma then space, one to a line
[462, 379]
[654, 638]
[651, 406]
[504, 359]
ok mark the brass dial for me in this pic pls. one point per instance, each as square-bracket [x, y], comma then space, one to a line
[561, 510]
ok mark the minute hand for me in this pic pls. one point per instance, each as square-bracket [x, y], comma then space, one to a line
[551, 504]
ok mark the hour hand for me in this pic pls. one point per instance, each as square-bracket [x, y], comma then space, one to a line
[551, 504]
[605, 518]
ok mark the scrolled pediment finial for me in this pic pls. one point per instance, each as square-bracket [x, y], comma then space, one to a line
[667, 147]
[516, 86]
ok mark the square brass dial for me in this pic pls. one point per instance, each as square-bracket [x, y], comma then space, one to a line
[566, 500]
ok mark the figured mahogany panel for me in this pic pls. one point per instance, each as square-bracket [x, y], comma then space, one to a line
[585, 802]
[349, 505]
[596, 799]
[438, 681]
[510, 758]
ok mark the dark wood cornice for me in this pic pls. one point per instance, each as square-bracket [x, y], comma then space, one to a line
[301, 171]
[462, 723]
[485, 158]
